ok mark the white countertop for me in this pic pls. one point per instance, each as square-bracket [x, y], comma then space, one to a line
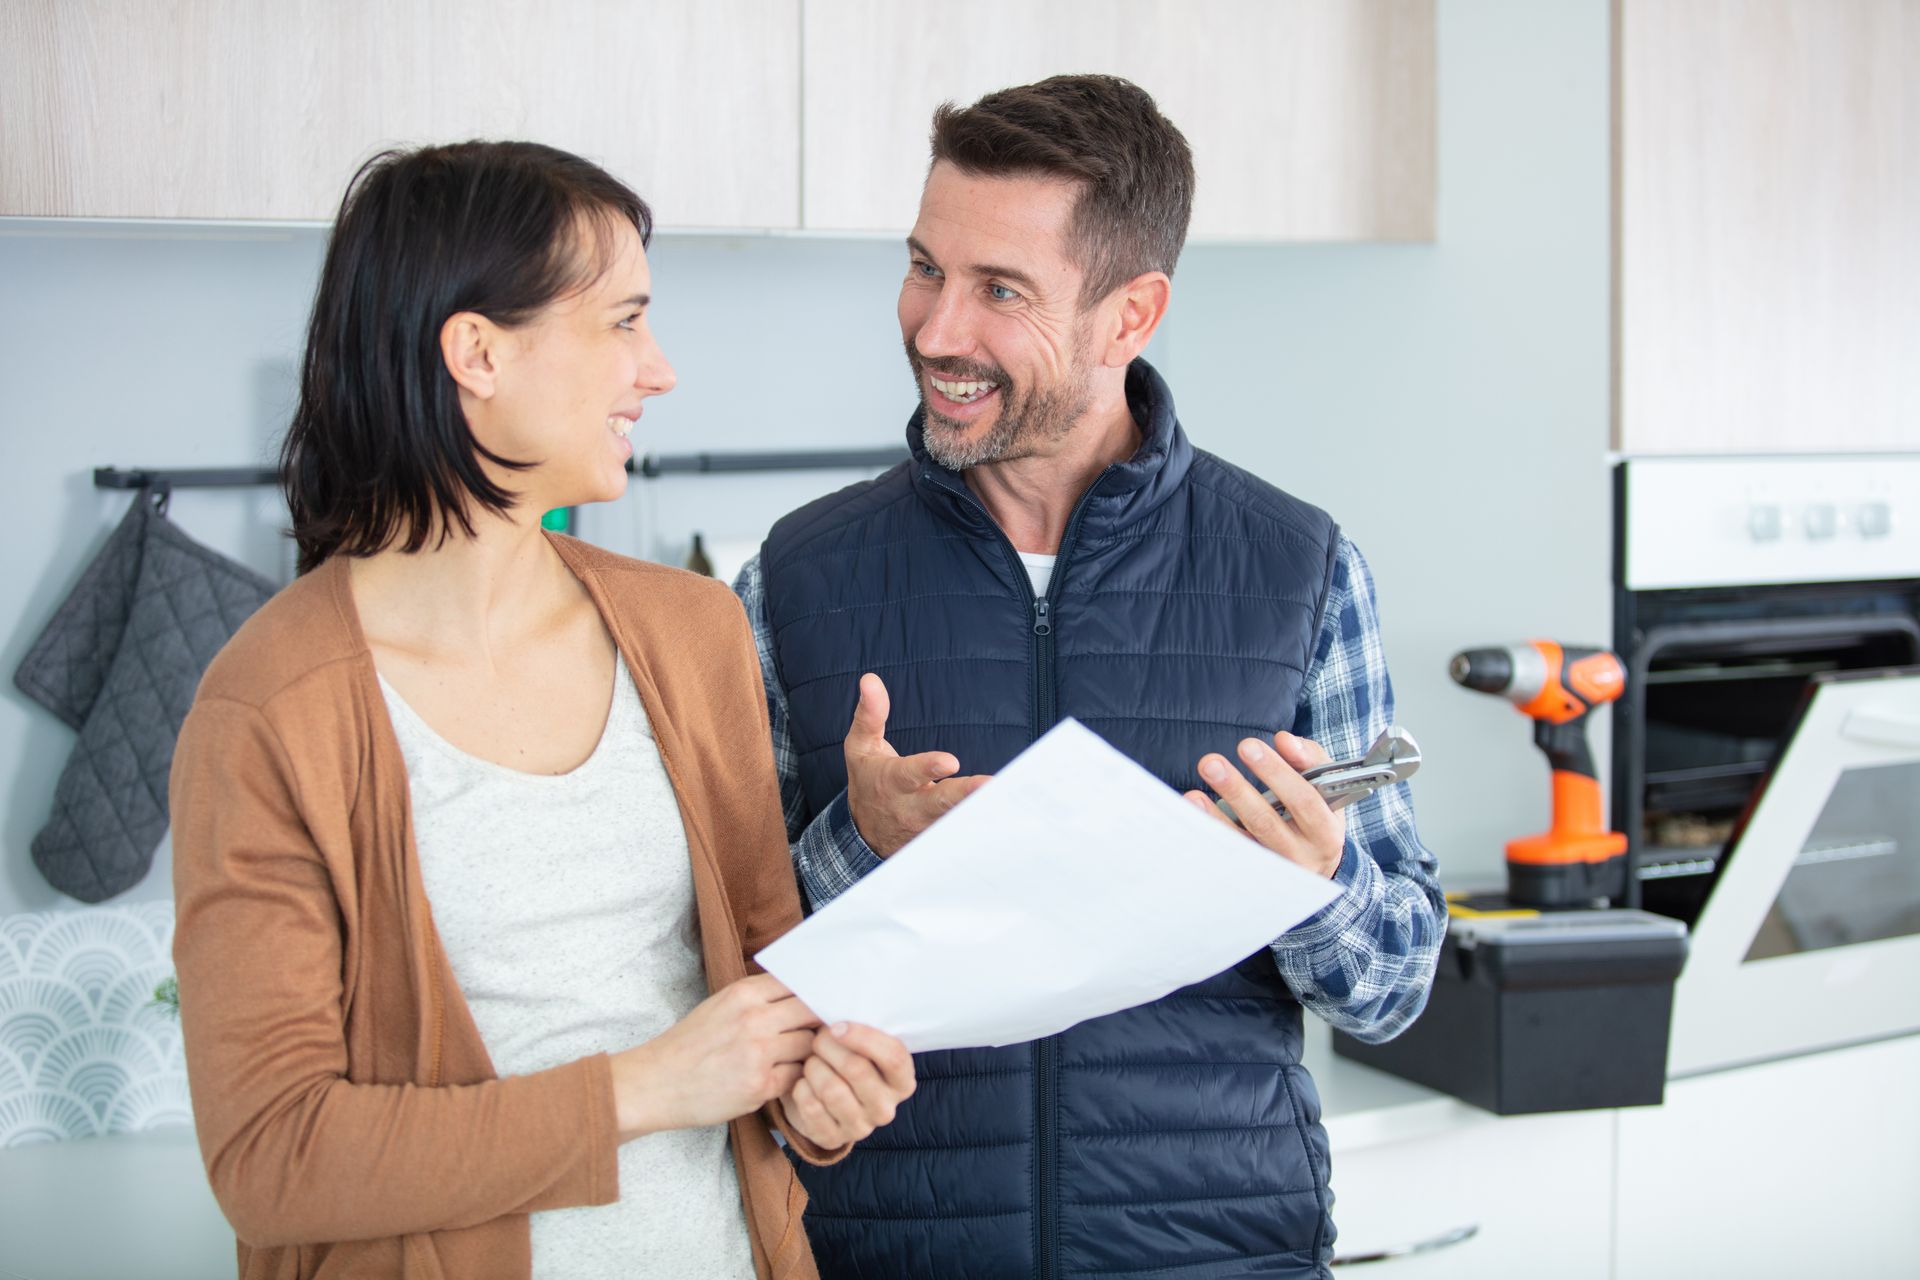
[137, 1205]
[1364, 1107]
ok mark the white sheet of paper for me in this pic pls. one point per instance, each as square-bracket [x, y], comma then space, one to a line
[1072, 885]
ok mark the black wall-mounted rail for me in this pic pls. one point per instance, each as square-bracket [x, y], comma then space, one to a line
[649, 467]
[654, 465]
[184, 478]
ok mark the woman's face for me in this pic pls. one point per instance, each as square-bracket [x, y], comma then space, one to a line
[572, 383]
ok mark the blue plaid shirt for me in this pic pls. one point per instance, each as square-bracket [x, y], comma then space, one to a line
[1366, 960]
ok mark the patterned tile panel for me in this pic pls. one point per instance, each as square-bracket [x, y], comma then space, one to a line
[83, 1048]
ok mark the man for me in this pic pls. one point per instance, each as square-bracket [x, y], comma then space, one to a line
[1056, 547]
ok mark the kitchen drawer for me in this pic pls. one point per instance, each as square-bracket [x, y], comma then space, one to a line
[1538, 1190]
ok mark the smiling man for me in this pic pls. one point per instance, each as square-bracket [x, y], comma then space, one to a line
[1055, 546]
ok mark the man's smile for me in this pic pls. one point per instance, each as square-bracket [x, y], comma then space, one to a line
[961, 392]
[959, 401]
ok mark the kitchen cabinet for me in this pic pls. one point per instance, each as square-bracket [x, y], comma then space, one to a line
[124, 1204]
[1767, 225]
[226, 109]
[1802, 1167]
[1312, 120]
[1537, 1188]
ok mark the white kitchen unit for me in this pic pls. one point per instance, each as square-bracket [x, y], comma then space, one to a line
[125, 1205]
[137, 1204]
[1534, 1192]
[1766, 226]
[1769, 614]
[1311, 120]
[229, 109]
[1444, 1189]
[1805, 1167]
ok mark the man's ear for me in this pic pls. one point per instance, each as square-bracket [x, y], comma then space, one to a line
[470, 345]
[1139, 306]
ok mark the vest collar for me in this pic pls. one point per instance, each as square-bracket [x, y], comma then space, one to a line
[1123, 493]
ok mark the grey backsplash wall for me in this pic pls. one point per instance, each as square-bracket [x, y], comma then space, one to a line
[1447, 402]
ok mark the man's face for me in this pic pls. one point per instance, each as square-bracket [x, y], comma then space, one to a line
[990, 313]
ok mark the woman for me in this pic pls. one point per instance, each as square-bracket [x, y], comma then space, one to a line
[470, 818]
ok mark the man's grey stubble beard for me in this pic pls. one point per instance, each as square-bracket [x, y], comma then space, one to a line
[1024, 423]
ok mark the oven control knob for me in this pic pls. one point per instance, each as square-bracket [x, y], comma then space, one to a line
[1821, 520]
[1763, 522]
[1874, 519]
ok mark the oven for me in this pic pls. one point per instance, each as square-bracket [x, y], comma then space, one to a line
[1766, 750]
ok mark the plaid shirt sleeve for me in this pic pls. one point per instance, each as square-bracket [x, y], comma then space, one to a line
[1365, 962]
[829, 855]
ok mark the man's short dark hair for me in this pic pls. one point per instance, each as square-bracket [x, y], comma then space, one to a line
[379, 452]
[1134, 168]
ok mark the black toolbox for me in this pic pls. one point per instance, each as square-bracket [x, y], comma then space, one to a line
[1543, 1011]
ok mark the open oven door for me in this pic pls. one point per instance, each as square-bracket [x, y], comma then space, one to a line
[1811, 938]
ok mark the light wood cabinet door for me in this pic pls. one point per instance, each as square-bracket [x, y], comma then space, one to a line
[1767, 222]
[232, 109]
[1309, 119]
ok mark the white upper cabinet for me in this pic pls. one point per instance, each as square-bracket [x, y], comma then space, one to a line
[233, 109]
[1309, 119]
[1767, 226]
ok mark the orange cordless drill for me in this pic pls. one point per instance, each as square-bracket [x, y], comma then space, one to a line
[1577, 861]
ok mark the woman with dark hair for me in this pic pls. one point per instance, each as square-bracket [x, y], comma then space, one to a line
[470, 819]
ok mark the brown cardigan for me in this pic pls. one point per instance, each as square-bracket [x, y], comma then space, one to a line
[350, 1120]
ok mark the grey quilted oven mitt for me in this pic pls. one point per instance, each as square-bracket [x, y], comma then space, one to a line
[120, 661]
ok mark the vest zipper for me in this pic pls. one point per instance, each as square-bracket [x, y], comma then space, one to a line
[1046, 1208]
[1046, 1051]
[1043, 694]
[1044, 708]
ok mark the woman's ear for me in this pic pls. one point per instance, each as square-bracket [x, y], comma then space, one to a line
[470, 345]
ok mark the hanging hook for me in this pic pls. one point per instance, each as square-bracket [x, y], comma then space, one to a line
[160, 494]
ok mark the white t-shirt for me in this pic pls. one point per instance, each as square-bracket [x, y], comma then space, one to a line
[1039, 569]
[566, 907]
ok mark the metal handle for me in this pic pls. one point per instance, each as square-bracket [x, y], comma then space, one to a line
[1880, 728]
[1445, 1240]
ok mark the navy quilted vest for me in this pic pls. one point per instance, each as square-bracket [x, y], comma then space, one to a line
[1181, 617]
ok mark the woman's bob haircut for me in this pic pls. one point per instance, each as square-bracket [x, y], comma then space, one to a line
[379, 453]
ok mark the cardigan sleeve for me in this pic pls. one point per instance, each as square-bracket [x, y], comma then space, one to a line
[761, 877]
[296, 1152]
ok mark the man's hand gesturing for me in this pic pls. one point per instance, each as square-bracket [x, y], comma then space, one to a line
[892, 797]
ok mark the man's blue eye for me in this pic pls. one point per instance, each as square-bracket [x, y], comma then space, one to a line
[1001, 293]
[926, 269]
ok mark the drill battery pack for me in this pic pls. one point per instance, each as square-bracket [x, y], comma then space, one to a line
[1543, 1011]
